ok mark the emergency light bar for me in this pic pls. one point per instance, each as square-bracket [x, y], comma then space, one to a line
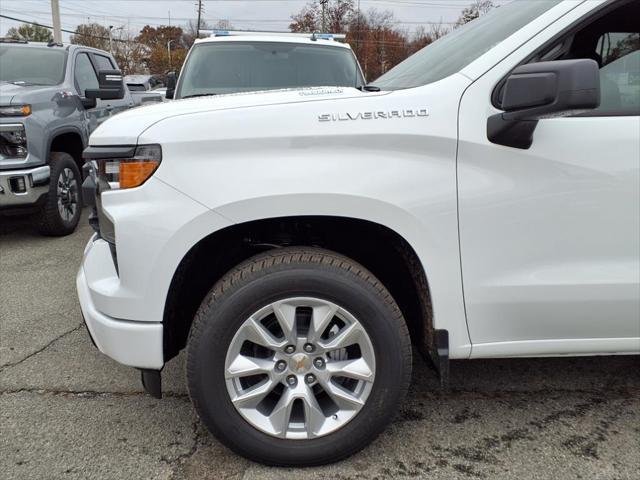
[238, 33]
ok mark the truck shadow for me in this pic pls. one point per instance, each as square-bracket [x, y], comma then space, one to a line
[17, 225]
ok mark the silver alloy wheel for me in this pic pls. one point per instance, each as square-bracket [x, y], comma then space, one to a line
[67, 192]
[327, 375]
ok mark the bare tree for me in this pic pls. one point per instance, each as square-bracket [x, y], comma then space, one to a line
[191, 32]
[473, 11]
[338, 16]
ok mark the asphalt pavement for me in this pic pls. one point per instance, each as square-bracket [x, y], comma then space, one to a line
[69, 412]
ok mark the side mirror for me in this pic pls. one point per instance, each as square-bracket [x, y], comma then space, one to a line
[543, 90]
[171, 84]
[110, 86]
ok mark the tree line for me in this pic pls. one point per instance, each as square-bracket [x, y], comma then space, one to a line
[374, 36]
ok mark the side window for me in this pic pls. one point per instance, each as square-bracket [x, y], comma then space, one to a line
[85, 75]
[103, 63]
[613, 40]
[620, 71]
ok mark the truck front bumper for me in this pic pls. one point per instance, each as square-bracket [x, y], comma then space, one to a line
[133, 343]
[23, 187]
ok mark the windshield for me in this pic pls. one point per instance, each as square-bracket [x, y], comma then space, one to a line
[216, 68]
[456, 50]
[32, 66]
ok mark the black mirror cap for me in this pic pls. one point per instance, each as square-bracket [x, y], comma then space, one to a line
[110, 86]
[551, 89]
[543, 90]
[172, 79]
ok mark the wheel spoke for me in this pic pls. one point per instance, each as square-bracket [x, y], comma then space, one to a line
[286, 315]
[346, 336]
[322, 315]
[344, 399]
[243, 366]
[251, 397]
[255, 332]
[313, 415]
[281, 414]
[357, 369]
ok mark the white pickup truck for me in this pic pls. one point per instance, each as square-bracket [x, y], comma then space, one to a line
[481, 199]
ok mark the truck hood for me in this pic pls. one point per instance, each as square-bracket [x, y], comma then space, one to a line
[16, 94]
[126, 127]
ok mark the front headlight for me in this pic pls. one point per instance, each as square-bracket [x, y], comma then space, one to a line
[111, 168]
[15, 110]
[129, 172]
[13, 141]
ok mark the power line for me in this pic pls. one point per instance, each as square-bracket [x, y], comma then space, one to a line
[62, 29]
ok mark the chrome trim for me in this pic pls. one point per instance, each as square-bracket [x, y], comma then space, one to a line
[36, 183]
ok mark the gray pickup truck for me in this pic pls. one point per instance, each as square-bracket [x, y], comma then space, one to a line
[52, 96]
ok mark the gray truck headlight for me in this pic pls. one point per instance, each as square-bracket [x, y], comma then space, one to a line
[13, 141]
[15, 110]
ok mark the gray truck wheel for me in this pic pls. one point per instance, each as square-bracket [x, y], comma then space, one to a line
[62, 208]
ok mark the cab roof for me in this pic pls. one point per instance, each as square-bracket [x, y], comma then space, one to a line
[316, 39]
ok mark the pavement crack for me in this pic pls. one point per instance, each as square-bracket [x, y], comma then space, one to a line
[6, 366]
[89, 393]
[182, 458]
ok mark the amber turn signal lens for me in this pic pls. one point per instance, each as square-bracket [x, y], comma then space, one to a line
[134, 174]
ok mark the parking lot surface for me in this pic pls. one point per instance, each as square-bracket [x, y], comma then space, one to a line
[66, 411]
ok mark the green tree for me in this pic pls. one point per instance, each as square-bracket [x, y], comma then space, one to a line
[91, 35]
[32, 33]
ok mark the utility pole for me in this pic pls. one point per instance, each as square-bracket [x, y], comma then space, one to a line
[199, 14]
[169, 52]
[55, 15]
[324, 22]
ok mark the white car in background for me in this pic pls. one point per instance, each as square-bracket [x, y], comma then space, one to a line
[142, 89]
[484, 202]
[241, 61]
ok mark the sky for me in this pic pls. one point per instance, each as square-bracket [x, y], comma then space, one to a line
[243, 14]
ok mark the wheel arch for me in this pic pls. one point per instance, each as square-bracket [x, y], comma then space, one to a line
[68, 140]
[386, 253]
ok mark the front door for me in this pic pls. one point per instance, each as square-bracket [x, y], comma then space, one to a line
[550, 236]
[85, 77]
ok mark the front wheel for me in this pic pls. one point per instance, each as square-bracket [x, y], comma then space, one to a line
[299, 356]
[62, 207]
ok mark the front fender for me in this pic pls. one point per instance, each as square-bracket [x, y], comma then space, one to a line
[266, 161]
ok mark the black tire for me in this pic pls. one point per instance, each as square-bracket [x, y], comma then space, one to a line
[296, 272]
[50, 220]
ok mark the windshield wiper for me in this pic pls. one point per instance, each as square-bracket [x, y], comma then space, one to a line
[368, 88]
[199, 95]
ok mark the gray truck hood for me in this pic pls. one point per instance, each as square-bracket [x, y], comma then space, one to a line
[11, 93]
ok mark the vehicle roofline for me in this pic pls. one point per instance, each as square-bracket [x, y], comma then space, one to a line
[66, 46]
[274, 39]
